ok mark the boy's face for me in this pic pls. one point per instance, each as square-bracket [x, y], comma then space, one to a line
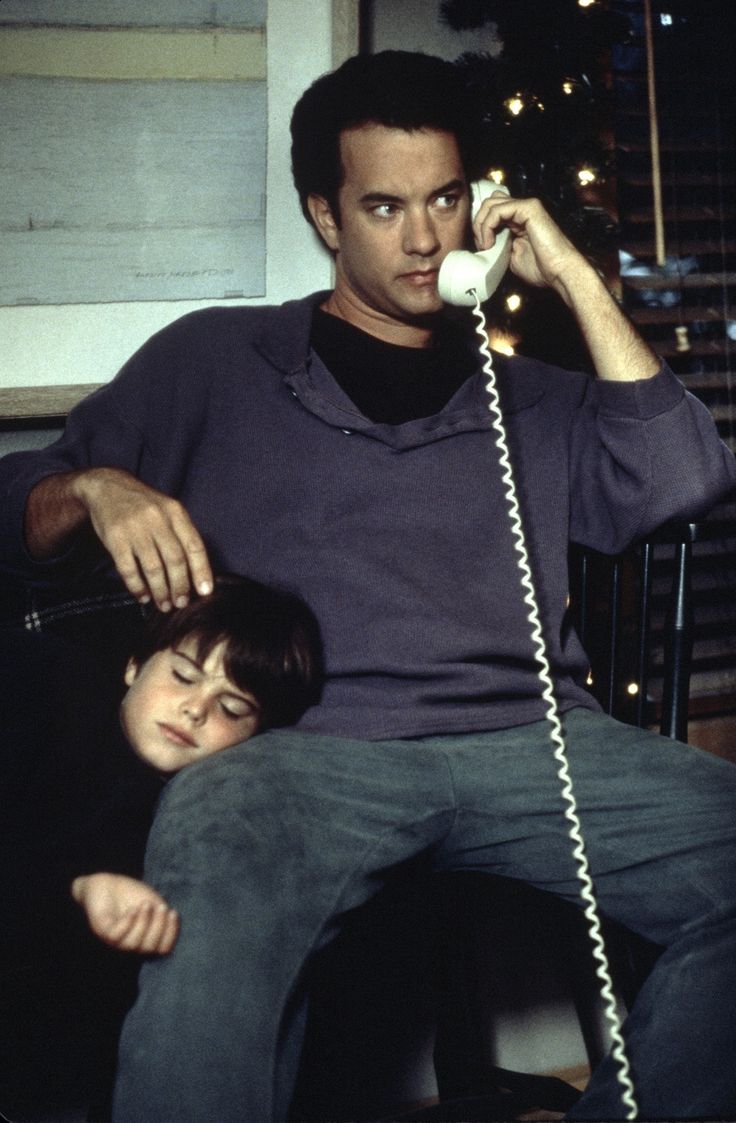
[178, 709]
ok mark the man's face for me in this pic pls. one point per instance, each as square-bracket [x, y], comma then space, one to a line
[179, 709]
[403, 206]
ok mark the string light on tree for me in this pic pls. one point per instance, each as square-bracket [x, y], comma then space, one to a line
[503, 341]
[587, 175]
[519, 102]
[515, 104]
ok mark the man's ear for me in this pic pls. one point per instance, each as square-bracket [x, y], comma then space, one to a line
[324, 220]
[131, 672]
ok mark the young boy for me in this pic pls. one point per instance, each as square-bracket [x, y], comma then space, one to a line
[241, 660]
[213, 674]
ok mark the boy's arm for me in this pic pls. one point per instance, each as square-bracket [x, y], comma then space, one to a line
[126, 913]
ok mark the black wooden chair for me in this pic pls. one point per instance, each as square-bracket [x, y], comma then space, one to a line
[614, 598]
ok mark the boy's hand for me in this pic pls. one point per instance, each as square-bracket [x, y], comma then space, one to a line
[126, 913]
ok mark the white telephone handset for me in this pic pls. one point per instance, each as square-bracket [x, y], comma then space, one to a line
[462, 273]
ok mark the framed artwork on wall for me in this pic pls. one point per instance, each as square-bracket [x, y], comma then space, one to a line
[134, 150]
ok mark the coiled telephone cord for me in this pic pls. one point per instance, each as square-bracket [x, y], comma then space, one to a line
[587, 890]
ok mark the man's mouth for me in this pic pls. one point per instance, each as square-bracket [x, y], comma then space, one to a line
[176, 735]
[421, 277]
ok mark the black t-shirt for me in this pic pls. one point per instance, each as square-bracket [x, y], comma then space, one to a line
[391, 384]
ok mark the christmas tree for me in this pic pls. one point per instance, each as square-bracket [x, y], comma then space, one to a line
[544, 107]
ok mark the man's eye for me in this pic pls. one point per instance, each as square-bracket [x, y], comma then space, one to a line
[384, 210]
[447, 202]
[181, 677]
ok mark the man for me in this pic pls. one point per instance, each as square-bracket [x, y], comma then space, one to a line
[341, 445]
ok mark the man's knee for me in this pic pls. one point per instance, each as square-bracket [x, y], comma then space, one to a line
[243, 798]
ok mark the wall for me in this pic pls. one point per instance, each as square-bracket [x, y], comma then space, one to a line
[414, 25]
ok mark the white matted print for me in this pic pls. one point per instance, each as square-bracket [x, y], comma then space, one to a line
[131, 191]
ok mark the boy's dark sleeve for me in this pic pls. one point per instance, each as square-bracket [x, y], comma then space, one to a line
[115, 838]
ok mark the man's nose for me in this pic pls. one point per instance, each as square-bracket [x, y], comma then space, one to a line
[420, 235]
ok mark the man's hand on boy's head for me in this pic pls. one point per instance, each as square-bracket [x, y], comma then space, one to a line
[155, 546]
[126, 913]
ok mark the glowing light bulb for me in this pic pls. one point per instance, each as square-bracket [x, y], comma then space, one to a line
[500, 341]
[515, 104]
[497, 175]
[513, 302]
[586, 176]
[568, 86]
[632, 689]
[586, 3]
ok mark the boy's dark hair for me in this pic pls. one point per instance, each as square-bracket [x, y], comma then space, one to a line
[273, 645]
[399, 89]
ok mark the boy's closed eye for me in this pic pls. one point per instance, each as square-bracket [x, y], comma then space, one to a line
[239, 708]
[181, 707]
[233, 703]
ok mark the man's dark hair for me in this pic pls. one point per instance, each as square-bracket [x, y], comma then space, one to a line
[272, 643]
[399, 89]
